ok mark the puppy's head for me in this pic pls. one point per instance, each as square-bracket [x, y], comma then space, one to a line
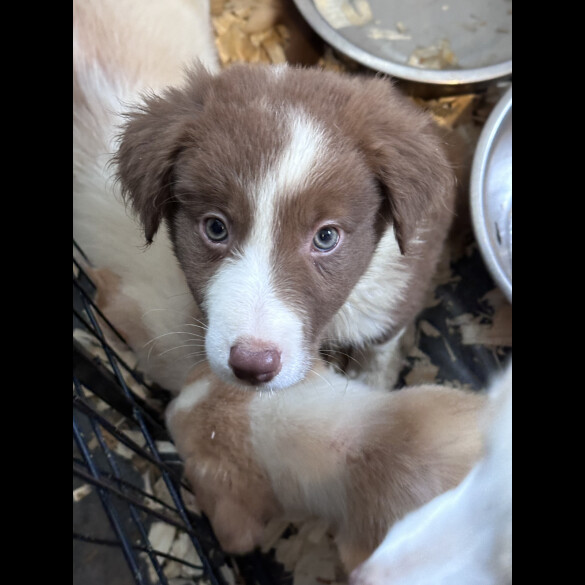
[277, 185]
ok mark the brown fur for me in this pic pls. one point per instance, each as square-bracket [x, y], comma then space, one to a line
[191, 150]
[392, 453]
[230, 487]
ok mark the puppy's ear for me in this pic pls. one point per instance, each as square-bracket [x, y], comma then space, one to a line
[153, 135]
[404, 149]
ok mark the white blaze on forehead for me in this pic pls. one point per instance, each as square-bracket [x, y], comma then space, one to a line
[242, 300]
[287, 173]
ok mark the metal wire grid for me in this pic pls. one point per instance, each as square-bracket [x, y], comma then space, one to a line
[108, 414]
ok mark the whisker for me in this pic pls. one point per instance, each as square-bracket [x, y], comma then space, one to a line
[194, 354]
[204, 327]
[336, 367]
[199, 362]
[176, 311]
[178, 347]
[195, 335]
[322, 378]
[333, 351]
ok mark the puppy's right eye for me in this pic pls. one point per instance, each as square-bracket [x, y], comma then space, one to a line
[215, 229]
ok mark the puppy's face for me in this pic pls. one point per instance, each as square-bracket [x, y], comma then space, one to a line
[277, 185]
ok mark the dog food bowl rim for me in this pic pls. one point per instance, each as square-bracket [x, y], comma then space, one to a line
[480, 168]
[447, 77]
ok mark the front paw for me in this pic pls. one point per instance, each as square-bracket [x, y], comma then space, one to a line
[237, 531]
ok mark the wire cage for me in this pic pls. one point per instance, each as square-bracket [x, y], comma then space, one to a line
[132, 522]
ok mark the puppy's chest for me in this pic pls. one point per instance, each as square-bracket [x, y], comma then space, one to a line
[304, 455]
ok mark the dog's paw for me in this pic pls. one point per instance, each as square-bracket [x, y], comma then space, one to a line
[237, 531]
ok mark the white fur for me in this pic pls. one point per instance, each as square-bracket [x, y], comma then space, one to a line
[306, 148]
[464, 536]
[366, 313]
[111, 70]
[121, 49]
[189, 397]
[257, 311]
[314, 414]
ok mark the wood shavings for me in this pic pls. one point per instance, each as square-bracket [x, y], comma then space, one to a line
[423, 371]
[310, 554]
[450, 112]
[165, 447]
[247, 31]
[336, 62]
[228, 575]
[183, 549]
[343, 13]
[81, 492]
[273, 532]
[161, 536]
[428, 329]
[386, 34]
[439, 56]
[94, 347]
[492, 331]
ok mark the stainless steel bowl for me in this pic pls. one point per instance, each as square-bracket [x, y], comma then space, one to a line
[491, 193]
[470, 40]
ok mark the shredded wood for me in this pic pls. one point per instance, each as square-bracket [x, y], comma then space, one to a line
[82, 491]
[341, 13]
[247, 31]
[439, 56]
[387, 34]
[451, 111]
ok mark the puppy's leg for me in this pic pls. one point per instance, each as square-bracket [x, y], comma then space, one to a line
[209, 423]
[237, 505]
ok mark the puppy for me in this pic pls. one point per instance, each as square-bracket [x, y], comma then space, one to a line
[464, 536]
[330, 447]
[287, 210]
[122, 48]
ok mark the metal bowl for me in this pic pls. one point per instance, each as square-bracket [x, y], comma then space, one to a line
[491, 193]
[470, 41]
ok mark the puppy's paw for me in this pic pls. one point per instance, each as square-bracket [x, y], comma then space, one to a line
[237, 531]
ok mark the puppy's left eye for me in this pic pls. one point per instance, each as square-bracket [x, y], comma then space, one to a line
[215, 229]
[326, 239]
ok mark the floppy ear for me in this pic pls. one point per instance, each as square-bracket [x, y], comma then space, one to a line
[153, 135]
[404, 149]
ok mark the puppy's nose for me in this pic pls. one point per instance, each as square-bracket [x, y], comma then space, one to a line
[254, 363]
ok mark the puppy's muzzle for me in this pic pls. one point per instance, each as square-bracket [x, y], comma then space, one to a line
[254, 362]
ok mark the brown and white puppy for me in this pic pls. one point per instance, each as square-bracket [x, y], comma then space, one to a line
[464, 536]
[330, 447]
[305, 208]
